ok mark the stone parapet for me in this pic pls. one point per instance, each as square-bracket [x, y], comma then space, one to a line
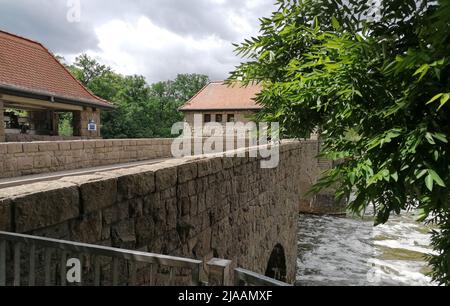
[199, 207]
[19, 159]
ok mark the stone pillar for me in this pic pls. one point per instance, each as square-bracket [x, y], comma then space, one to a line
[2, 122]
[219, 273]
[81, 120]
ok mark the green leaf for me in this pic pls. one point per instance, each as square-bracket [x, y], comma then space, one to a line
[436, 178]
[422, 215]
[395, 176]
[435, 98]
[430, 139]
[440, 137]
[335, 23]
[421, 174]
[352, 177]
[264, 55]
[444, 99]
[423, 70]
[429, 182]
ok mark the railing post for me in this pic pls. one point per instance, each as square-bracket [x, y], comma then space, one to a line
[2, 263]
[17, 272]
[32, 270]
[219, 272]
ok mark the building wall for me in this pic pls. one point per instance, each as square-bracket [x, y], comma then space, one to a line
[240, 116]
[197, 207]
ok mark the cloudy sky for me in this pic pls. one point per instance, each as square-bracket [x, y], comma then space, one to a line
[155, 38]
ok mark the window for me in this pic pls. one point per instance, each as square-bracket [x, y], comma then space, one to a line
[207, 118]
[230, 118]
[219, 118]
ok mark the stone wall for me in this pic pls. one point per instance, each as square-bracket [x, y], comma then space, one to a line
[18, 159]
[33, 138]
[204, 207]
[323, 203]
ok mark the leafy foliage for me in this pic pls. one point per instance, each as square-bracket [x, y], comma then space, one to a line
[374, 77]
[143, 110]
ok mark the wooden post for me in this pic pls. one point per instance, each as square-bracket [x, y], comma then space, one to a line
[55, 123]
[219, 273]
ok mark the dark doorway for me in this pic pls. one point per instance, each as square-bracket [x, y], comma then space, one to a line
[276, 268]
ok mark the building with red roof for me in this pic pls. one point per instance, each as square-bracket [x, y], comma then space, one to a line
[36, 85]
[220, 102]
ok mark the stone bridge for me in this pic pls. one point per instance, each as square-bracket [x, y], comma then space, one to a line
[197, 207]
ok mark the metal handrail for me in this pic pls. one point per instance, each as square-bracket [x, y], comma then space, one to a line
[249, 278]
[88, 249]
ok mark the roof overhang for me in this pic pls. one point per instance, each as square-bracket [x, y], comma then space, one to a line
[55, 100]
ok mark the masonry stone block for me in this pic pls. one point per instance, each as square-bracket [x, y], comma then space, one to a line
[204, 168]
[46, 205]
[171, 213]
[24, 163]
[87, 229]
[59, 231]
[96, 191]
[136, 207]
[123, 234]
[116, 213]
[187, 172]
[145, 227]
[6, 215]
[166, 178]
[136, 183]
[30, 147]
[42, 161]
[13, 148]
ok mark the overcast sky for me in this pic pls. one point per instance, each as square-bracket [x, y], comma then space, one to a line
[155, 38]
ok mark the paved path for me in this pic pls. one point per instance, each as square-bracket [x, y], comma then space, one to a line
[29, 179]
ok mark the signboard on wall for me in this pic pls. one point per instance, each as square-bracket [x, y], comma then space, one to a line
[92, 127]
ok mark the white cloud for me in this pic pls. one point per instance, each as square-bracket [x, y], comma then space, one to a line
[157, 38]
[145, 48]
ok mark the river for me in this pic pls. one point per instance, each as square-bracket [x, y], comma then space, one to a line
[337, 251]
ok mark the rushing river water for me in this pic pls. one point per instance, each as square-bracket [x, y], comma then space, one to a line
[336, 251]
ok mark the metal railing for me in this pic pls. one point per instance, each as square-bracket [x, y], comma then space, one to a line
[244, 277]
[23, 251]
[221, 274]
[29, 260]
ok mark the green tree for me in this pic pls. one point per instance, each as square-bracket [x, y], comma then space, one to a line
[87, 69]
[133, 117]
[143, 110]
[168, 96]
[375, 79]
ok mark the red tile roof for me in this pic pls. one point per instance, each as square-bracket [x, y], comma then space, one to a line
[28, 67]
[219, 96]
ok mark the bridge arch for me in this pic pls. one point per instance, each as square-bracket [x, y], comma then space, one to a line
[276, 267]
